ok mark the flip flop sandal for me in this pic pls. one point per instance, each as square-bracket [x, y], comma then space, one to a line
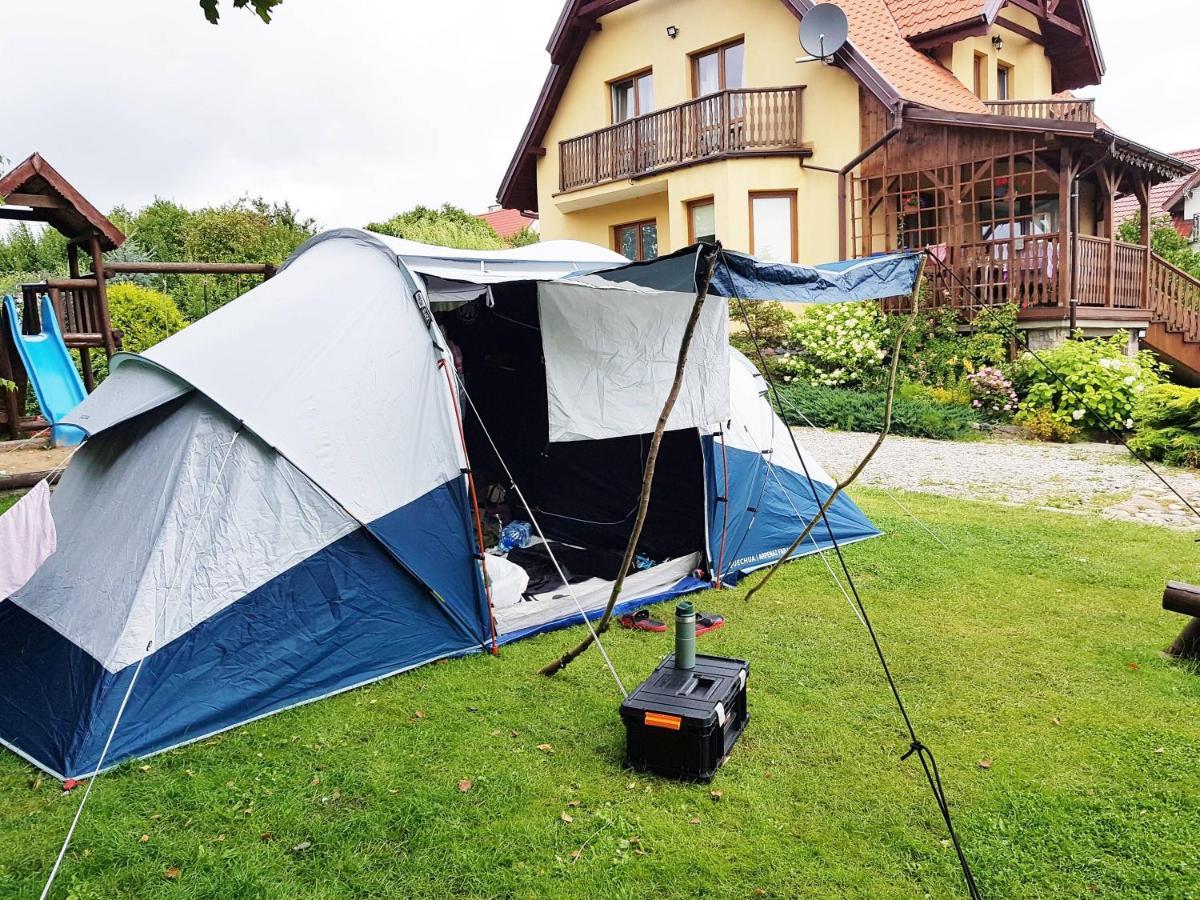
[641, 621]
[708, 622]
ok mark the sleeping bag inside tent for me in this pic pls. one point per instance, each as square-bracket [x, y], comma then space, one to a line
[285, 500]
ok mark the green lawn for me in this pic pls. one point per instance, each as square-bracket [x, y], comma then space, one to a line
[1033, 643]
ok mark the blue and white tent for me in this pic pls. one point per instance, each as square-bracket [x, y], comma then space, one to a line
[274, 505]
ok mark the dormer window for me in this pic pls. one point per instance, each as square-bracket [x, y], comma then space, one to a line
[1004, 81]
[632, 96]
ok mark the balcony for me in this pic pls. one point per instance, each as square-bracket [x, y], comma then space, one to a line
[742, 122]
[1058, 110]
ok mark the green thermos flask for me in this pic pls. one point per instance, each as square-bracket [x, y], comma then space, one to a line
[685, 635]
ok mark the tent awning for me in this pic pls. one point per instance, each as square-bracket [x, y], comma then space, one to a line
[739, 275]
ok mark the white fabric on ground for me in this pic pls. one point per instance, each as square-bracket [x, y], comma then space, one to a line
[611, 354]
[27, 539]
[216, 533]
[508, 581]
[593, 595]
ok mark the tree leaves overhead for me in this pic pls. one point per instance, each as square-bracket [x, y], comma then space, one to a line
[262, 8]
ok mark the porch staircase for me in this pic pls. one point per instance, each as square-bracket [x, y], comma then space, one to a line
[1174, 332]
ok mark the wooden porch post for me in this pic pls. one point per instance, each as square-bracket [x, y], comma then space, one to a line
[1142, 189]
[1066, 261]
[110, 346]
[12, 409]
[1108, 179]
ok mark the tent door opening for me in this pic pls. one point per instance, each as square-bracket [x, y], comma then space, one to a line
[584, 494]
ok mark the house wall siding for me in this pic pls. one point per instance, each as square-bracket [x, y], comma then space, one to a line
[1031, 67]
[635, 38]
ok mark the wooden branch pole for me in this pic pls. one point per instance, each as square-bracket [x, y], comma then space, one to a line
[554, 666]
[887, 425]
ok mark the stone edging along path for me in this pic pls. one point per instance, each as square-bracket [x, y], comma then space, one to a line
[1101, 479]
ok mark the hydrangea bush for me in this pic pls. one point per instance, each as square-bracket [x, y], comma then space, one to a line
[992, 393]
[837, 345]
[1099, 385]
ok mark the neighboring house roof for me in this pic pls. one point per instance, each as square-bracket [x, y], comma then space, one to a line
[73, 215]
[1164, 196]
[507, 222]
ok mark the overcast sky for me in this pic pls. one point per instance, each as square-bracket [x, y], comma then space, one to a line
[356, 109]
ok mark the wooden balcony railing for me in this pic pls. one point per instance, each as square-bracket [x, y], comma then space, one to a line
[1059, 110]
[742, 122]
[1175, 299]
[1028, 271]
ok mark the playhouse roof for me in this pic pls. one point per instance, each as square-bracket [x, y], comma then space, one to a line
[50, 198]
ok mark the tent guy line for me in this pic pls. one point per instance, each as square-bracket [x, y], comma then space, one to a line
[549, 547]
[924, 754]
[95, 776]
[888, 491]
[820, 550]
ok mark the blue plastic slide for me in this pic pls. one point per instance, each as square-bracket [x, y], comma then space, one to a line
[51, 370]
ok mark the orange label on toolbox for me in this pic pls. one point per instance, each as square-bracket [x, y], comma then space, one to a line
[662, 720]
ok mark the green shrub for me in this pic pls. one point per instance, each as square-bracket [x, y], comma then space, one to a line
[143, 316]
[837, 345]
[935, 353]
[1166, 419]
[771, 323]
[1099, 382]
[1043, 424]
[850, 410]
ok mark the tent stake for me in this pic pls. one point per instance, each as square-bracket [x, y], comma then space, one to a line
[554, 666]
[853, 476]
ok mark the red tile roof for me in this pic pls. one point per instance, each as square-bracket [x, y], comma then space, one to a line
[915, 76]
[507, 222]
[1162, 194]
[917, 17]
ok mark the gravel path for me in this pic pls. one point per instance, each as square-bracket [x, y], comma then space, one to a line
[1101, 479]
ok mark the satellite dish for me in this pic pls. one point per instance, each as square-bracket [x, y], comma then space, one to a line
[823, 31]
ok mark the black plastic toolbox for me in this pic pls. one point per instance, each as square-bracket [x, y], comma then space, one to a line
[682, 723]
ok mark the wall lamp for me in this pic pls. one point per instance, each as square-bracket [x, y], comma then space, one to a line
[997, 42]
[672, 32]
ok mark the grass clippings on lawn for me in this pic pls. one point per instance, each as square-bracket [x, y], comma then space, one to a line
[1029, 656]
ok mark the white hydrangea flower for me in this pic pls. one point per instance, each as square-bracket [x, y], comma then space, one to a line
[1077, 415]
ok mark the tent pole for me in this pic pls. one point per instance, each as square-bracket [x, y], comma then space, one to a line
[648, 475]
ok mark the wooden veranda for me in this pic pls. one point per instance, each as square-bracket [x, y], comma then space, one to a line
[1020, 209]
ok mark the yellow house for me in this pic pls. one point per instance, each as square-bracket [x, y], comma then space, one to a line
[947, 124]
